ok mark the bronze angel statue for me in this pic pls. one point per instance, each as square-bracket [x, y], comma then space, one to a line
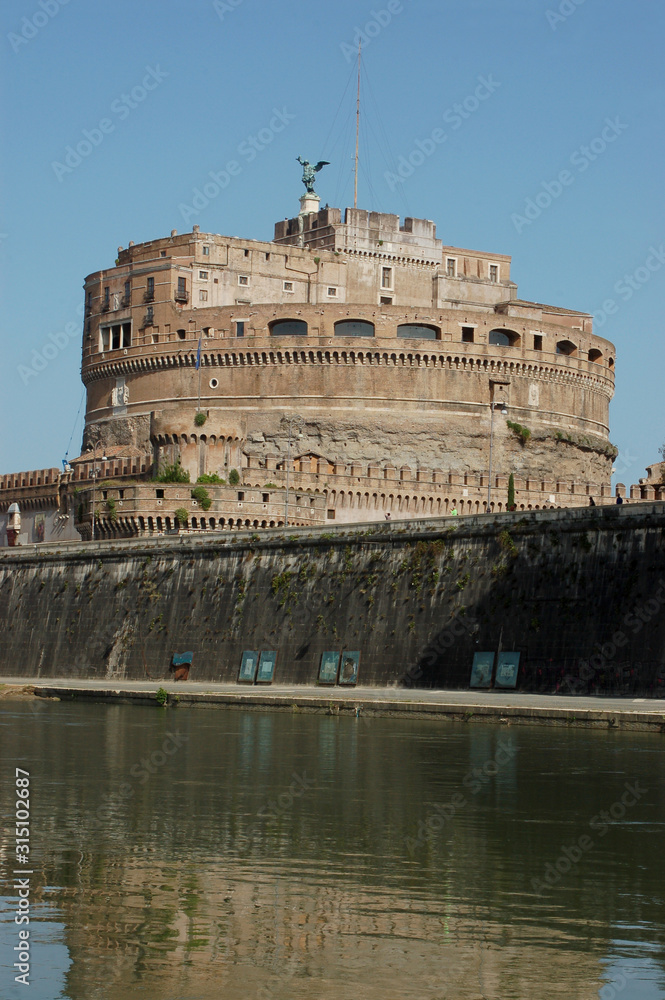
[309, 172]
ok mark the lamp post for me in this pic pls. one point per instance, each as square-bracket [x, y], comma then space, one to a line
[94, 481]
[504, 412]
[297, 422]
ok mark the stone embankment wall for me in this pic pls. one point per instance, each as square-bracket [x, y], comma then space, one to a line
[579, 593]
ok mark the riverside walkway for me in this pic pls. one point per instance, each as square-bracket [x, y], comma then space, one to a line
[506, 707]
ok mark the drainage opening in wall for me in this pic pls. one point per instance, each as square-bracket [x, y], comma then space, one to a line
[213, 383]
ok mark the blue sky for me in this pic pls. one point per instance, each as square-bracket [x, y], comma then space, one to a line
[183, 85]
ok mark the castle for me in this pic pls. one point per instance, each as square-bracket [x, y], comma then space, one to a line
[348, 370]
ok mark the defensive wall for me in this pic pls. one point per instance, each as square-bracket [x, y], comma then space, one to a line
[56, 506]
[579, 593]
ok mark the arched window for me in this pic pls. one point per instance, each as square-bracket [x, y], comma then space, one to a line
[566, 347]
[595, 355]
[354, 328]
[610, 362]
[503, 338]
[419, 331]
[288, 328]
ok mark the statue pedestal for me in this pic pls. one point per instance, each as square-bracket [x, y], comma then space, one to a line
[309, 203]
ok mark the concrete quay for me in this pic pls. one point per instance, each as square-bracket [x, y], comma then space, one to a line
[504, 707]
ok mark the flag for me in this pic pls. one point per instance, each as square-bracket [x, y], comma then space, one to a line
[198, 355]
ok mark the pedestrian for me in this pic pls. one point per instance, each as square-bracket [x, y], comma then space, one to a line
[619, 498]
[388, 516]
[453, 512]
[592, 502]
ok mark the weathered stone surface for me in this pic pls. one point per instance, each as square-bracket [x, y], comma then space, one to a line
[579, 593]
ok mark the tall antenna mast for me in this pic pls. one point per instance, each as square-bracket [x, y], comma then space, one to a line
[355, 181]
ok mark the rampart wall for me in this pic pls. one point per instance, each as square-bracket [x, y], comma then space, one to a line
[580, 594]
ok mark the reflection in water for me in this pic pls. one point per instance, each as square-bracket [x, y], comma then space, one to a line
[199, 854]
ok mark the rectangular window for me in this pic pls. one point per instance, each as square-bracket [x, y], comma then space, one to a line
[386, 277]
[107, 295]
[332, 293]
[206, 251]
[126, 334]
[149, 316]
[451, 267]
[128, 293]
[330, 514]
[162, 253]
[537, 342]
[241, 495]
[467, 334]
[182, 285]
[116, 332]
[265, 497]
[386, 300]
[494, 273]
[159, 494]
[150, 289]
[246, 253]
[288, 286]
[104, 338]
[240, 328]
[243, 279]
[203, 274]
[203, 295]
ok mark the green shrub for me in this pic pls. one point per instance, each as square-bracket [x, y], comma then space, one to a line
[162, 697]
[112, 510]
[173, 473]
[234, 477]
[201, 495]
[507, 544]
[200, 419]
[181, 515]
[211, 478]
[270, 486]
[523, 433]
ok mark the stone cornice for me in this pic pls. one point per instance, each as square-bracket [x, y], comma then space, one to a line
[380, 357]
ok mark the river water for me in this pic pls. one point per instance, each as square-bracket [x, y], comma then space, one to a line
[187, 854]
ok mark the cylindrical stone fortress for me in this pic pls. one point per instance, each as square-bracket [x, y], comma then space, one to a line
[394, 349]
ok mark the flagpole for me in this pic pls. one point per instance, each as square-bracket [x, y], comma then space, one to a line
[355, 176]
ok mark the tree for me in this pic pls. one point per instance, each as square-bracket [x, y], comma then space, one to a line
[202, 497]
[511, 491]
[181, 515]
[173, 473]
[234, 477]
